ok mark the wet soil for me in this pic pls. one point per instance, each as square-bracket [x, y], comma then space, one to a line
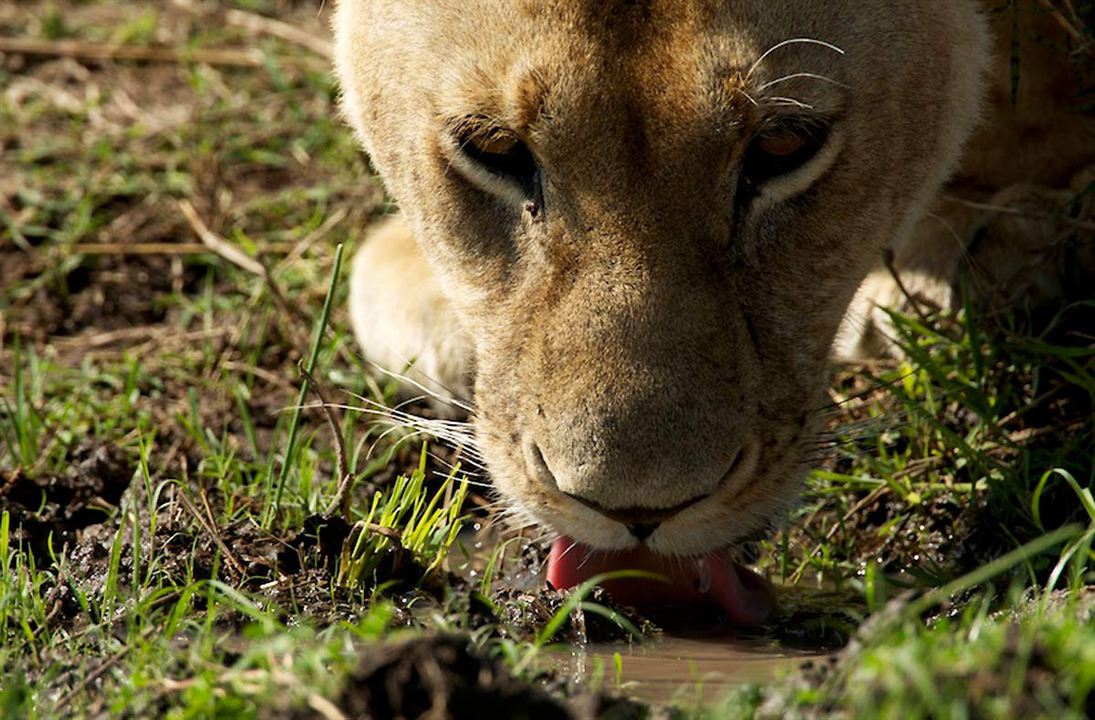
[80, 305]
[1041, 420]
[292, 574]
[48, 512]
[442, 677]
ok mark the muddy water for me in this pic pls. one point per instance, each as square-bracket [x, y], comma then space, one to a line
[691, 670]
[690, 666]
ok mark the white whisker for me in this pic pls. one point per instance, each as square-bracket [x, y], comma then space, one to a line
[384, 434]
[790, 101]
[785, 43]
[453, 465]
[749, 97]
[453, 399]
[471, 483]
[797, 75]
[586, 559]
[459, 434]
[455, 424]
[573, 544]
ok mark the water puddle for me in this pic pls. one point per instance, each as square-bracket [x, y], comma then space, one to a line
[694, 663]
[692, 670]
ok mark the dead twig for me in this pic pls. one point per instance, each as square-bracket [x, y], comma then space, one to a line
[134, 335]
[270, 377]
[219, 245]
[305, 244]
[1028, 434]
[388, 532]
[914, 301]
[260, 24]
[211, 529]
[154, 248]
[325, 707]
[90, 678]
[237, 257]
[83, 50]
[1086, 225]
[1073, 26]
[341, 500]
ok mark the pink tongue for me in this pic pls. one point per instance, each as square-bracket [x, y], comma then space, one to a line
[712, 579]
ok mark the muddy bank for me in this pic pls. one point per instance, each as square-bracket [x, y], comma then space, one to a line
[442, 676]
[49, 511]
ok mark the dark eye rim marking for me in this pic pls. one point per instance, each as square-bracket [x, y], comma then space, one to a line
[502, 154]
[760, 165]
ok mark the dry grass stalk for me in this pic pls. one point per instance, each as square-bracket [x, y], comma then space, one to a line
[84, 50]
[237, 257]
[156, 248]
[1086, 225]
[1070, 20]
[345, 478]
[214, 535]
[263, 25]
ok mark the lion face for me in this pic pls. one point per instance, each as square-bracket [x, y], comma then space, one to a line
[650, 217]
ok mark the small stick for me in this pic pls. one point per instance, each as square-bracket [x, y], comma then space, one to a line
[302, 247]
[266, 26]
[270, 377]
[155, 248]
[888, 260]
[1034, 214]
[234, 255]
[1076, 33]
[282, 31]
[217, 244]
[209, 528]
[325, 707]
[82, 50]
[388, 532]
[91, 677]
[152, 248]
[206, 505]
[147, 333]
[345, 479]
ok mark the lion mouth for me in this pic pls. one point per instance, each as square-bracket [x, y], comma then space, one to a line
[710, 580]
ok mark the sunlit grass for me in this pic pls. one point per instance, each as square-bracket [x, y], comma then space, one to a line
[953, 508]
[407, 519]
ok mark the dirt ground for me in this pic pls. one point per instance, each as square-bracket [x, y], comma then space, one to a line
[149, 376]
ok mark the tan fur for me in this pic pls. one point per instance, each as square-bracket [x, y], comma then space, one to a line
[636, 343]
[1029, 158]
[405, 316]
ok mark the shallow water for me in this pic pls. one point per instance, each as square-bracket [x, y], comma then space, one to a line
[693, 664]
[689, 669]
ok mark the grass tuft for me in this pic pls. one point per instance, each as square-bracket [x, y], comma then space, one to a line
[161, 477]
[407, 523]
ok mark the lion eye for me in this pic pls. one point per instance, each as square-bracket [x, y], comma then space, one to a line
[781, 145]
[781, 150]
[503, 155]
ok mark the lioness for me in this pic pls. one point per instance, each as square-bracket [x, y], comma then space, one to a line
[634, 227]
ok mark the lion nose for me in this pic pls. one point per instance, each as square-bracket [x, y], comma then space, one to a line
[642, 531]
[640, 522]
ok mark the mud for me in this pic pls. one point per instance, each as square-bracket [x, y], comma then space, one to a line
[75, 305]
[442, 677]
[1041, 420]
[50, 511]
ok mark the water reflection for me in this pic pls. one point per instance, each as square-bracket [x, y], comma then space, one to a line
[688, 669]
